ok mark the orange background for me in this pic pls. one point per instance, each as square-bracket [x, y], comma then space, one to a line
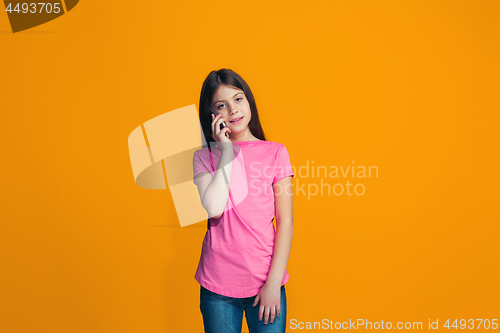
[408, 86]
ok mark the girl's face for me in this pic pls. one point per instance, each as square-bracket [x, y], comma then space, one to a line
[232, 103]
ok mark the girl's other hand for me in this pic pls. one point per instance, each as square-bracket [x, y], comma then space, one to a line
[269, 297]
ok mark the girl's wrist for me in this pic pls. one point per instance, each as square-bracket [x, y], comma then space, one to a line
[273, 283]
[226, 147]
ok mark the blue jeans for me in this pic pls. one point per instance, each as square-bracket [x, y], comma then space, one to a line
[222, 314]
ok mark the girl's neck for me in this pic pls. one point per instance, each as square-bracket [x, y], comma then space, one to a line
[243, 136]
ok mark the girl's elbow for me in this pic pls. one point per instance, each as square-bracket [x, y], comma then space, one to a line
[214, 213]
[216, 216]
[214, 209]
[285, 223]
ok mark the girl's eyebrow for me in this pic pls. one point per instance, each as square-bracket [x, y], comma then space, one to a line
[233, 97]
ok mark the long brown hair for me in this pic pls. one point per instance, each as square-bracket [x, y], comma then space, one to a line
[210, 85]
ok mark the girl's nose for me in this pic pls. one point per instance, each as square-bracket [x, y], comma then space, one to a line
[232, 109]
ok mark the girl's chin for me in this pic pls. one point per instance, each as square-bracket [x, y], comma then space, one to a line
[236, 129]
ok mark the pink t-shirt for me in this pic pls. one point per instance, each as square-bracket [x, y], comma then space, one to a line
[238, 246]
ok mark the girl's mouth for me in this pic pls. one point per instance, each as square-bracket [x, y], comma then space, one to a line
[237, 120]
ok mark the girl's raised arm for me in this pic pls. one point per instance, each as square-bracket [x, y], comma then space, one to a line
[214, 191]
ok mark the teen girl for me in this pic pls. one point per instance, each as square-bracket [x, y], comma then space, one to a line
[244, 181]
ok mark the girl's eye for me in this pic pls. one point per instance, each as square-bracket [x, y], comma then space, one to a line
[218, 106]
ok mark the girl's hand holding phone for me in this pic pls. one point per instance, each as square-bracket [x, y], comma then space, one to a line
[218, 134]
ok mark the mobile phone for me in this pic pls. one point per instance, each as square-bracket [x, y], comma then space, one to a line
[222, 125]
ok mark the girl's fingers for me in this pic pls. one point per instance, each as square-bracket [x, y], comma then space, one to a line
[266, 315]
[256, 301]
[214, 122]
[272, 314]
[212, 125]
[218, 123]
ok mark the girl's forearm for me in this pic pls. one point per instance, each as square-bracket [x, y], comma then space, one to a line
[281, 253]
[217, 193]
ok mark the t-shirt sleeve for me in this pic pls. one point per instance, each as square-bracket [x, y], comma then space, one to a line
[283, 165]
[198, 166]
